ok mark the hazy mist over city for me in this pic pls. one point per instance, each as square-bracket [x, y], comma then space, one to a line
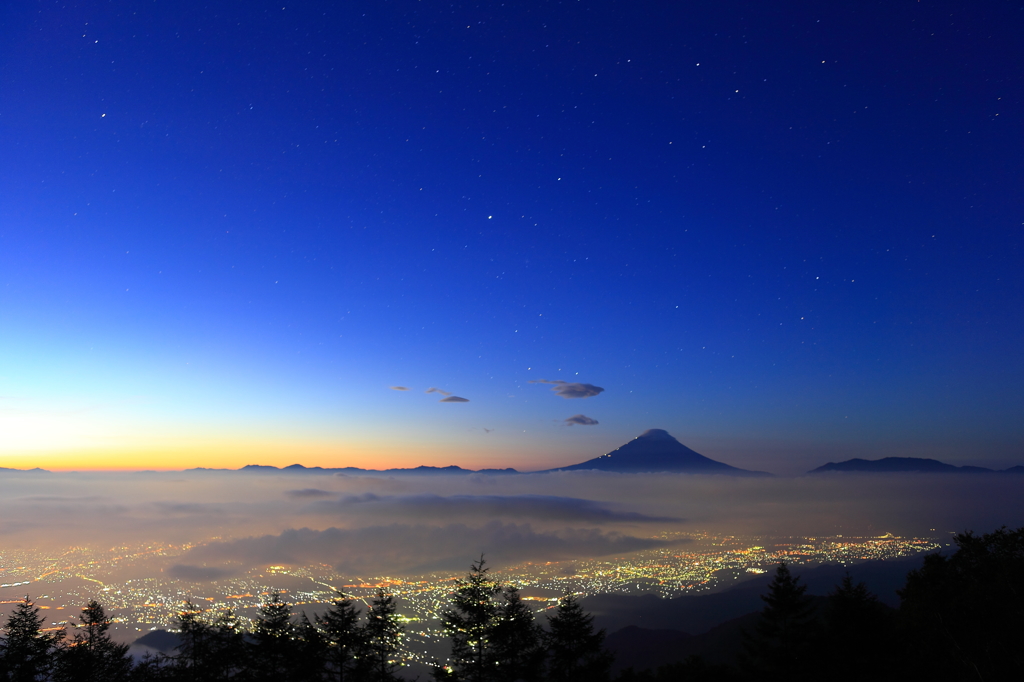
[394, 525]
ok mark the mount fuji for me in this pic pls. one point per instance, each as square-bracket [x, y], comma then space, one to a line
[657, 450]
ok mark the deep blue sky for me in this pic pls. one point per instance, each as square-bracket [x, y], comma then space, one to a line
[786, 232]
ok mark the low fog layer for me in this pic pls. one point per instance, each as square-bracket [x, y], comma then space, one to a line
[405, 549]
[410, 524]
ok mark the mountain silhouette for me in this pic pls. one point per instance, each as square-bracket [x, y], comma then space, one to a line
[908, 464]
[657, 450]
[355, 471]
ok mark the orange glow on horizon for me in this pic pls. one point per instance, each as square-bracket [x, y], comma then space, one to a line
[236, 454]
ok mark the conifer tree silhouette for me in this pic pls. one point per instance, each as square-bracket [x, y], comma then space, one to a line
[210, 649]
[228, 658]
[851, 607]
[383, 637]
[964, 614]
[470, 625]
[307, 663]
[91, 655]
[274, 645]
[27, 654]
[516, 641]
[197, 648]
[576, 652]
[780, 643]
[345, 655]
[858, 631]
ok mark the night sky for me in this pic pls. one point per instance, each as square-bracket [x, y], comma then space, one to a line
[786, 232]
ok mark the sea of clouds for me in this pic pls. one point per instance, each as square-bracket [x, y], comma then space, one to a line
[413, 524]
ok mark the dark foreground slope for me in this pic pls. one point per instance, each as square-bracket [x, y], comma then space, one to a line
[699, 613]
[649, 631]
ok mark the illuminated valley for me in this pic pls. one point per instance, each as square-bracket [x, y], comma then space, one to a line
[131, 582]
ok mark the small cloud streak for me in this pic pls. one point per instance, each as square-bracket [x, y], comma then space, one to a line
[581, 419]
[568, 389]
[306, 493]
[437, 390]
[188, 508]
[453, 399]
[457, 507]
[398, 388]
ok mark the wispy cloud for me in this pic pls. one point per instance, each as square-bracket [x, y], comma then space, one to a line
[454, 507]
[398, 388]
[437, 390]
[581, 419]
[308, 493]
[399, 548]
[569, 389]
[172, 508]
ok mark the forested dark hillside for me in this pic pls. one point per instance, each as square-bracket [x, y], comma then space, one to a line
[960, 617]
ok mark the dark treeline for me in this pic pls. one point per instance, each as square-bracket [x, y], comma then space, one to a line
[493, 635]
[961, 617]
[342, 645]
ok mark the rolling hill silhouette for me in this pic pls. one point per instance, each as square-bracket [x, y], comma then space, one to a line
[657, 450]
[907, 464]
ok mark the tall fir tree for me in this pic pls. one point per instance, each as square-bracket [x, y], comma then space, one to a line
[858, 631]
[575, 650]
[92, 655]
[780, 644]
[211, 650]
[516, 646]
[345, 656]
[274, 644]
[470, 623]
[229, 648]
[195, 652]
[309, 654]
[27, 653]
[383, 637]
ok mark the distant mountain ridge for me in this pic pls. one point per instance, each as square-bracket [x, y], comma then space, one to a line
[653, 451]
[657, 450]
[415, 471]
[908, 464]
